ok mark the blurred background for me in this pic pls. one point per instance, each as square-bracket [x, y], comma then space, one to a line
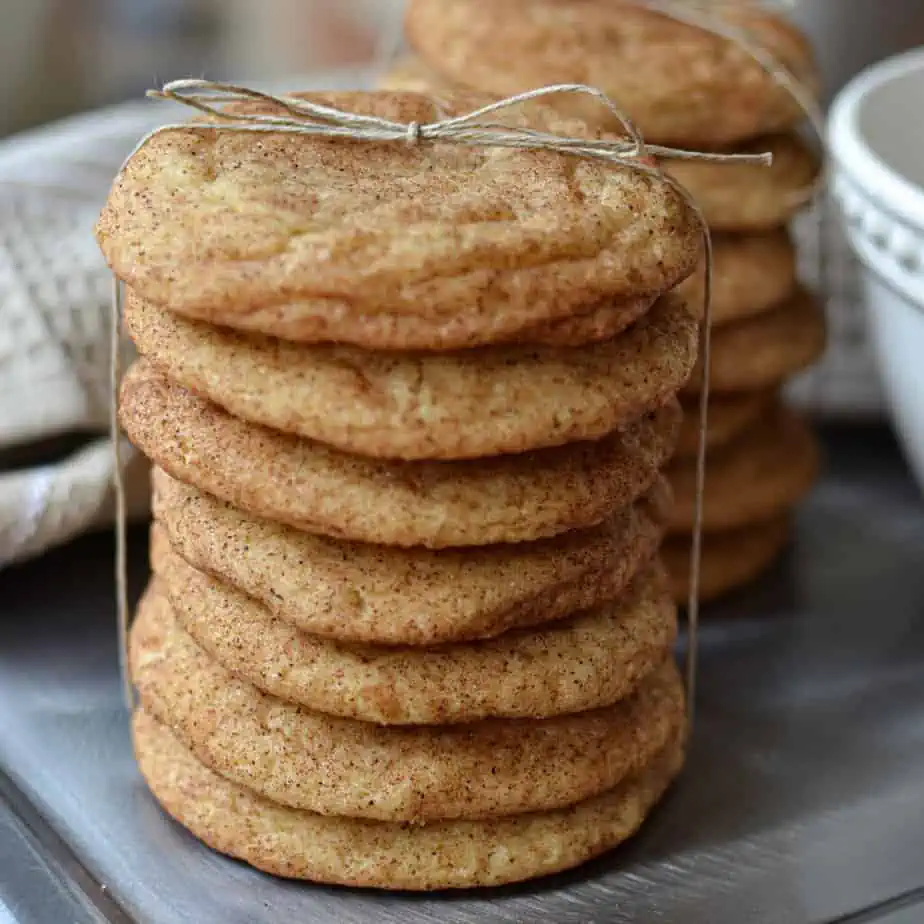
[61, 56]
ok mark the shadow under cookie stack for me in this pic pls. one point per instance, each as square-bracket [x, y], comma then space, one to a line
[687, 88]
[408, 407]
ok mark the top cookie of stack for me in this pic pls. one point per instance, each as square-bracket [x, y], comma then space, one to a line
[389, 246]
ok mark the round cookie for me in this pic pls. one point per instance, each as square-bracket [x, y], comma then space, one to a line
[679, 83]
[776, 344]
[442, 855]
[568, 323]
[591, 660]
[765, 471]
[730, 559]
[751, 198]
[461, 405]
[337, 766]
[305, 238]
[433, 504]
[751, 273]
[729, 416]
[350, 592]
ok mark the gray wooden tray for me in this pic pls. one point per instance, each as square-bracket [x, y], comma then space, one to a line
[803, 801]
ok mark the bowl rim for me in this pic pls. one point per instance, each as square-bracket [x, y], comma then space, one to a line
[851, 153]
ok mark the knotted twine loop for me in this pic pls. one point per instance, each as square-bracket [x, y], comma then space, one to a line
[304, 117]
[474, 129]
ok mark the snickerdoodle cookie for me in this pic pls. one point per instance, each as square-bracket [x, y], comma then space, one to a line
[373, 594]
[751, 198]
[681, 84]
[729, 560]
[751, 274]
[758, 476]
[434, 504]
[729, 416]
[304, 237]
[759, 353]
[459, 405]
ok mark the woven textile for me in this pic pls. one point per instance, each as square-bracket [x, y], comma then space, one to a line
[54, 335]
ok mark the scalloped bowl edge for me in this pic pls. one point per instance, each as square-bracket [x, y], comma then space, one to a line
[876, 139]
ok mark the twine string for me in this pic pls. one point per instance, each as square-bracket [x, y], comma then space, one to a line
[696, 546]
[474, 129]
[121, 514]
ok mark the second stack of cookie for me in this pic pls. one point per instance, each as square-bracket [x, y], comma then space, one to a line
[685, 87]
[409, 408]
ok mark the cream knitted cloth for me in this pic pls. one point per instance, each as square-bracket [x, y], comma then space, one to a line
[54, 303]
[55, 296]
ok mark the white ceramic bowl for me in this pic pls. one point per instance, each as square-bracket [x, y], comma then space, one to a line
[876, 134]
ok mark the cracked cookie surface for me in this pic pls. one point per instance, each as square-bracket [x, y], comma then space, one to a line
[304, 484]
[283, 232]
[373, 594]
[462, 405]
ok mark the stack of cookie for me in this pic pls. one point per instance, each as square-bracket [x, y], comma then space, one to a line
[685, 87]
[408, 407]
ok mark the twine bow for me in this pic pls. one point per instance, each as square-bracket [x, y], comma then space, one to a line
[474, 129]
